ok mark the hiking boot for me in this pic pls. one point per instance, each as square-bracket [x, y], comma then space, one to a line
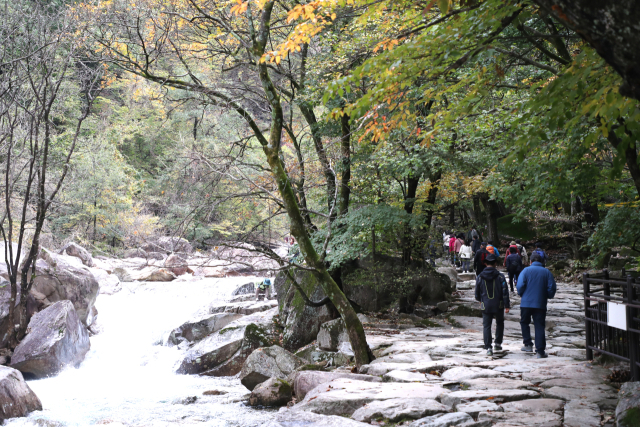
[497, 347]
[542, 355]
[527, 348]
[489, 352]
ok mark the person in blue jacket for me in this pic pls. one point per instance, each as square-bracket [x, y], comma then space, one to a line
[493, 294]
[535, 285]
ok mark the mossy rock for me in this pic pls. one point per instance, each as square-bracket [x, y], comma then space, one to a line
[429, 323]
[466, 311]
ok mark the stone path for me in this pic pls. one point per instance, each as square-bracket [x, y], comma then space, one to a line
[442, 376]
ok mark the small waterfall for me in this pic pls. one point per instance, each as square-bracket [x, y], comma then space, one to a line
[127, 379]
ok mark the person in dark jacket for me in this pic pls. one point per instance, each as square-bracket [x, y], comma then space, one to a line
[514, 266]
[535, 285]
[479, 258]
[493, 293]
[475, 245]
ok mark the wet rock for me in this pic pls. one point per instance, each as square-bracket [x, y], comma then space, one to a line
[154, 274]
[443, 420]
[293, 418]
[177, 265]
[301, 322]
[457, 397]
[224, 352]
[16, 398]
[215, 393]
[56, 339]
[246, 289]
[534, 405]
[628, 409]
[188, 400]
[477, 406]
[123, 274]
[334, 333]
[578, 413]
[468, 373]
[305, 381]
[443, 306]
[272, 392]
[528, 419]
[398, 409]
[199, 329]
[313, 354]
[245, 308]
[75, 250]
[269, 362]
[58, 278]
[344, 396]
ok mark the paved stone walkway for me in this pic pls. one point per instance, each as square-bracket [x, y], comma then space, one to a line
[443, 375]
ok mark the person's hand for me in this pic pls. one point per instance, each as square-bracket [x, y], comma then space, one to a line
[506, 310]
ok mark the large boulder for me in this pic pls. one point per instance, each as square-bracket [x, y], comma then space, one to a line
[146, 274]
[199, 329]
[5, 304]
[301, 322]
[265, 363]
[177, 265]
[135, 253]
[75, 250]
[334, 333]
[168, 244]
[55, 340]
[246, 289]
[223, 353]
[109, 283]
[58, 278]
[628, 409]
[272, 392]
[16, 398]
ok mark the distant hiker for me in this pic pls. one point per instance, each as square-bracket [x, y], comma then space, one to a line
[481, 255]
[452, 243]
[465, 257]
[473, 233]
[475, 245]
[492, 249]
[493, 294]
[263, 286]
[512, 245]
[535, 285]
[459, 242]
[514, 266]
[543, 255]
[445, 241]
[523, 252]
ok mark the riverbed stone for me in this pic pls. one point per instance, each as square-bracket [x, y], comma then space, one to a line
[399, 409]
[443, 420]
[177, 265]
[404, 377]
[528, 419]
[56, 339]
[272, 392]
[75, 250]
[198, 329]
[534, 405]
[292, 418]
[403, 358]
[456, 397]
[344, 396]
[16, 397]
[497, 383]
[268, 362]
[628, 409]
[305, 381]
[578, 413]
[477, 406]
[383, 368]
[468, 373]
[597, 394]
[245, 308]
[331, 334]
[313, 354]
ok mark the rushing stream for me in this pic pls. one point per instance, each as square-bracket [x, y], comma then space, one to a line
[129, 380]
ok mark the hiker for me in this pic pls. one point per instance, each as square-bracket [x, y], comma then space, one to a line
[263, 286]
[473, 233]
[492, 249]
[543, 255]
[465, 257]
[535, 285]
[493, 294]
[452, 242]
[513, 263]
[456, 247]
[445, 241]
[523, 252]
[475, 245]
[481, 255]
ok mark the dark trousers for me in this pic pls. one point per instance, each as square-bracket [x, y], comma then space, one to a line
[513, 275]
[539, 316]
[487, 319]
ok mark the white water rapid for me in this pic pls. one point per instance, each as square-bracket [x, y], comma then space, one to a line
[128, 380]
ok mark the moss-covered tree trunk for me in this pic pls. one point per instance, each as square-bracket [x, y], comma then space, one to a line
[271, 148]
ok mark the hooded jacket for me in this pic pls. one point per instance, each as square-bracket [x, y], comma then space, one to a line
[536, 285]
[492, 291]
[514, 263]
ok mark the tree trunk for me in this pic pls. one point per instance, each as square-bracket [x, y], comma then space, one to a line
[591, 213]
[491, 207]
[345, 152]
[611, 28]
[409, 203]
[271, 150]
[630, 154]
[477, 210]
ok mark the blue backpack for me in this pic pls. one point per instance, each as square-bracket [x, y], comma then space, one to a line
[542, 255]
